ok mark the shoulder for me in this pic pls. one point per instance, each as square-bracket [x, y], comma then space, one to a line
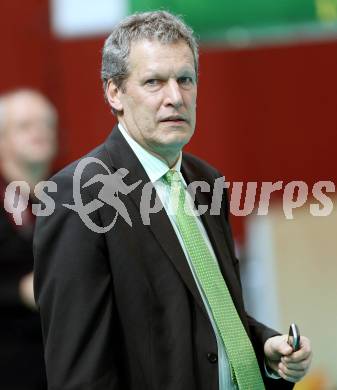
[99, 153]
[83, 169]
[66, 193]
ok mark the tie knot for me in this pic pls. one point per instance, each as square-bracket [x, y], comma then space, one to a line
[171, 176]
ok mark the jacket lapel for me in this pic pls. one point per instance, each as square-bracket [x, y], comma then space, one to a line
[216, 235]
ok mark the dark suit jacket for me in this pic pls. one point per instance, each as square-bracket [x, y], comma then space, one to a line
[121, 310]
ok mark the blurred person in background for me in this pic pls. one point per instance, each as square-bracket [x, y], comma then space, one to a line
[27, 147]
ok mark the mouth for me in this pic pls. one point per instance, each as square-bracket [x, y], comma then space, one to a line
[174, 119]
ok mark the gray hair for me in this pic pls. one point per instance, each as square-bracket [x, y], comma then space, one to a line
[5, 98]
[157, 25]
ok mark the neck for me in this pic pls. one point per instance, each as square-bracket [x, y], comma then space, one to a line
[169, 157]
[30, 173]
[169, 160]
[173, 161]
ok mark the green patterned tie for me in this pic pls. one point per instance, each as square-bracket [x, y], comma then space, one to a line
[241, 355]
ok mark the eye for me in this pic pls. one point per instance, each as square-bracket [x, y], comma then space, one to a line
[152, 82]
[185, 81]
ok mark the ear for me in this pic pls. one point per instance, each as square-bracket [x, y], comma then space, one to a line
[113, 96]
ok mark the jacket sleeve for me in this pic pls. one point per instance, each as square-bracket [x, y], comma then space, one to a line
[74, 294]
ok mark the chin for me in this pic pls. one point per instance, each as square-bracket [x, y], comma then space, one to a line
[172, 147]
[179, 134]
[39, 158]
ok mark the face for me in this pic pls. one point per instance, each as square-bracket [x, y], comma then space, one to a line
[28, 135]
[158, 103]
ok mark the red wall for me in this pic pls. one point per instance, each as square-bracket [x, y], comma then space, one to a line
[271, 111]
[263, 114]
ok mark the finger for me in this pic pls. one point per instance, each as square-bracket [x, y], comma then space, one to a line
[297, 356]
[288, 378]
[302, 365]
[276, 347]
[303, 353]
[290, 372]
[290, 375]
[281, 346]
[305, 344]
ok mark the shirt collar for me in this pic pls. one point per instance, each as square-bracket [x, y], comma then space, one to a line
[154, 167]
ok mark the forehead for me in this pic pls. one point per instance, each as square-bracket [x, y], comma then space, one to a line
[26, 106]
[155, 57]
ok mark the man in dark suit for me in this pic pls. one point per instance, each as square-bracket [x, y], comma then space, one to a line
[151, 301]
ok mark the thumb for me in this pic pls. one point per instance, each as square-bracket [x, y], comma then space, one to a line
[284, 348]
[277, 346]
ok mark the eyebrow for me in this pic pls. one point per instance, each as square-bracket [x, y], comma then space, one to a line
[154, 73]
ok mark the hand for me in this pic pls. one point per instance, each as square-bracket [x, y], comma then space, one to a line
[280, 357]
[26, 291]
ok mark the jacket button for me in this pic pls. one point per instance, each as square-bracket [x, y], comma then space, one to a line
[212, 357]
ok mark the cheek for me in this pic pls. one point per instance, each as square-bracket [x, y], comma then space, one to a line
[194, 99]
[26, 138]
[190, 100]
[18, 140]
[152, 101]
[192, 109]
[28, 141]
[147, 111]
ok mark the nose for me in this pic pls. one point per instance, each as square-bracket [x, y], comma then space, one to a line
[173, 96]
